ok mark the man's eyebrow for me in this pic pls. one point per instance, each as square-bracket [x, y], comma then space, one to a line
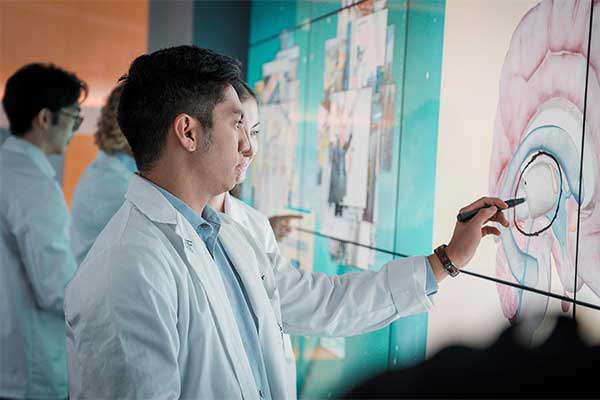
[255, 125]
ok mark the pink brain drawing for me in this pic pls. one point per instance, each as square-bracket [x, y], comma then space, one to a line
[537, 151]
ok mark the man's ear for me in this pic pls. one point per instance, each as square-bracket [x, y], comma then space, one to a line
[187, 131]
[43, 119]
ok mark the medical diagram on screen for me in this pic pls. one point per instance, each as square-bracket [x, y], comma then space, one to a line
[537, 154]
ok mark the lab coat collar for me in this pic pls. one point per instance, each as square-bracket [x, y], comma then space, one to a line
[233, 209]
[22, 146]
[150, 201]
[146, 197]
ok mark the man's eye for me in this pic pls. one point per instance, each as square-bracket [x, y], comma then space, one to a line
[254, 133]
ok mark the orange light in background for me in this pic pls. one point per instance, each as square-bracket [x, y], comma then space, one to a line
[97, 40]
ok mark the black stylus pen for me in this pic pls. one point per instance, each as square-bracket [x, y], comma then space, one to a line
[467, 215]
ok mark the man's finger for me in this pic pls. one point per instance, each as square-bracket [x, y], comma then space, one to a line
[484, 215]
[286, 217]
[485, 201]
[471, 206]
[489, 230]
[501, 218]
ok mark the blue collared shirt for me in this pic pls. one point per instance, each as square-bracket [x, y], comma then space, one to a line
[207, 226]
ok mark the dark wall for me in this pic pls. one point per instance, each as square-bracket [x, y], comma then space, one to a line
[223, 26]
[170, 23]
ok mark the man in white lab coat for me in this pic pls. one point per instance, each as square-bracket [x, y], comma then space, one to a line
[42, 106]
[176, 301]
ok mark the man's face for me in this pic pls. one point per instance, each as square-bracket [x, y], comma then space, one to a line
[60, 133]
[223, 162]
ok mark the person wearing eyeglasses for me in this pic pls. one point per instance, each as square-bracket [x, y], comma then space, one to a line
[42, 103]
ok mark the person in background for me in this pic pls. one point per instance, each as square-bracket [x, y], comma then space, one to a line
[267, 231]
[41, 102]
[101, 189]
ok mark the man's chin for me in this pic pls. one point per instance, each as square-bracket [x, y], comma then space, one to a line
[61, 150]
[240, 178]
[229, 187]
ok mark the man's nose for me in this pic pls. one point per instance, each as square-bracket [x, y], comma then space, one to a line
[245, 144]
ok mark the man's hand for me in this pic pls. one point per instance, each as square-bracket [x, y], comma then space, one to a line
[281, 225]
[467, 235]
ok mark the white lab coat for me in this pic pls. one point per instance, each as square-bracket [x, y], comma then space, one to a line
[98, 195]
[35, 265]
[148, 317]
[260, 228]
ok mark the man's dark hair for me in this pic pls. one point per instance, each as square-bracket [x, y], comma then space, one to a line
[35, 87]
[164, 84]
[244, 91]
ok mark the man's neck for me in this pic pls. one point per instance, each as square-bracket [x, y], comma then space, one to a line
[35, 138]
[181, 185]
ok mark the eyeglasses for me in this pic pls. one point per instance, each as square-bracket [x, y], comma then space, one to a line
[76, 117]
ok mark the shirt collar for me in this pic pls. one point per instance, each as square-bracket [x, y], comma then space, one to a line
[206, 225]
[34, 153]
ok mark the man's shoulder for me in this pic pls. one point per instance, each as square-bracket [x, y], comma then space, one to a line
[24, 186]
[129, 227]
[130, 243]
[14, 165]
[116, 274]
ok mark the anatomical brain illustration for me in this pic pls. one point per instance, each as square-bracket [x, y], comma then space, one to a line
[537, 154]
